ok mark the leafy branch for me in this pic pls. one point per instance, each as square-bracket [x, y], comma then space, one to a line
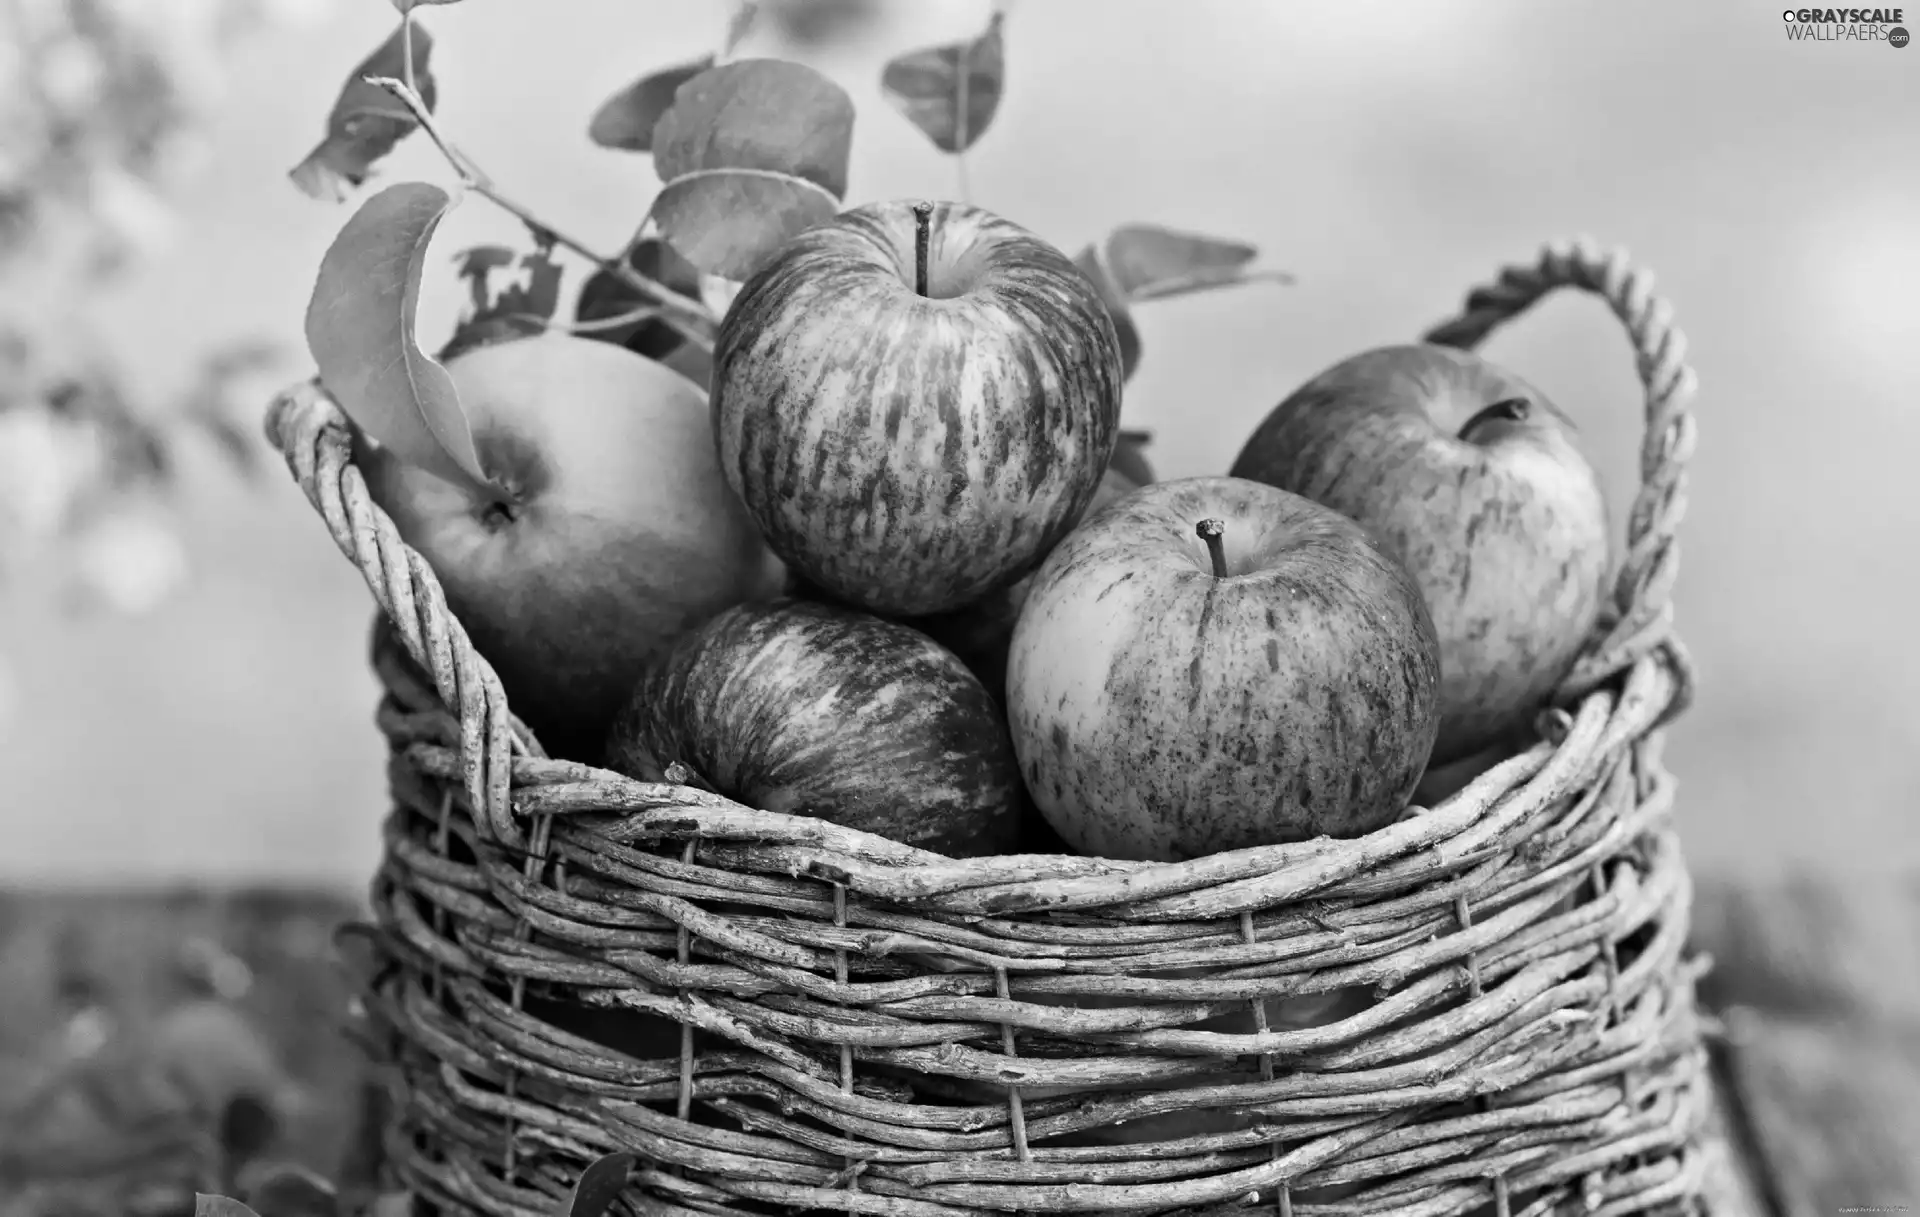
[692, 320]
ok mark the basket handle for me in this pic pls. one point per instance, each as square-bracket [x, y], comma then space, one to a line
[310, 431]
[1640, 616]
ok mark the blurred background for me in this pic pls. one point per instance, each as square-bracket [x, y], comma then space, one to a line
[183, 687]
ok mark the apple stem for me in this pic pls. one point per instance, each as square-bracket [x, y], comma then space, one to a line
[1211, 531]
[1511, 409]
[922, 244]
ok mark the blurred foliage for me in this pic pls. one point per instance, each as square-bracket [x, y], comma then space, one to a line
[812, 23]
[103, 107]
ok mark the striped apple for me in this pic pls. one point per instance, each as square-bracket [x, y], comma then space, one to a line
[916, 402]
[812, 709]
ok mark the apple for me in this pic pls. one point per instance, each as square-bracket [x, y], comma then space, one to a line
[1212, 664]
[611, 532]
[981, 632]
[815, 709]
[916, 402]
[1476, 482]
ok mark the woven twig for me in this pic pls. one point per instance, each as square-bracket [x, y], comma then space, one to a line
[1483, 1006]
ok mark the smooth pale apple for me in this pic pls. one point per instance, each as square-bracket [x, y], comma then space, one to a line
[1476, 483]
[612, 531]
[910, 452]
[813, 709]
[1172, 697]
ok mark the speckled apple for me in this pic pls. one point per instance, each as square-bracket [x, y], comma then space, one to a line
[1173, 694]
[1477, 483]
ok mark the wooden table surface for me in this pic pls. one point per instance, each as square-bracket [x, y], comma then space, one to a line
[201, 994]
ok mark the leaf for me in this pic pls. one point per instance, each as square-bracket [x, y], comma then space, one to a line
[812, 23]
[744, 15]
[476, 265]
[366, 121]
[952, 106]
[599, 1186]
[1152, 263]
[294, 1191]
[219, 1206]
[1093, 264]
[761, 114]
[728, 222]
[360, 329]
[693, 362]
[407, 6]
[1129, 457]
[604, 296]
[517, 310]
[626, 120]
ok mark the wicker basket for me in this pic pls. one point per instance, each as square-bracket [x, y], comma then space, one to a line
[882, 1030]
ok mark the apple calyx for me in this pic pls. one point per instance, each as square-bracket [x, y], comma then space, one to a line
[922, 245]
[1211, 531]
[498, 514]
[1507, 410]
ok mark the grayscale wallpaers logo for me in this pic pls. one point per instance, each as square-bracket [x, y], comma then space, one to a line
[1846, 25]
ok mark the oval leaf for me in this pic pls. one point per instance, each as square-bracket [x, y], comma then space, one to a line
[626, 120]
[599, 1186]
[729, 221]
[219, 1206]
[366, 121]
[360, 329]
[761, 114]
[950, 92]
[1093, 264]
[1151, 263]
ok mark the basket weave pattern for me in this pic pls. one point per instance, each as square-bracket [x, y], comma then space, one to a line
[883, 1030]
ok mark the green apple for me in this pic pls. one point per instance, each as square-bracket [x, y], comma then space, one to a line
[609, 530]
[1477, 484]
